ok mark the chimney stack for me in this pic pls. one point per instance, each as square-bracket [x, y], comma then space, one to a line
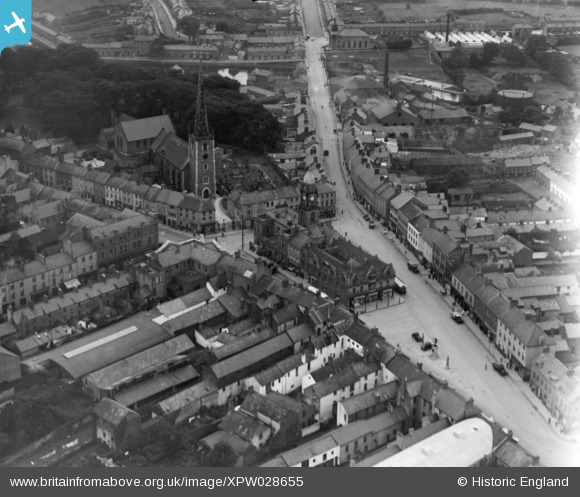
[386, 72]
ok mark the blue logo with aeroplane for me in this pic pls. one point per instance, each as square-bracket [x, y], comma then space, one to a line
[15, 26]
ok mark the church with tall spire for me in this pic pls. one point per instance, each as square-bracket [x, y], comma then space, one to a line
[201, 149]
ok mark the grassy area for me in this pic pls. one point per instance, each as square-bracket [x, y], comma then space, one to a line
[60, 8]
[477, 83]
[415, 63]
[436, 9]
[546, 91]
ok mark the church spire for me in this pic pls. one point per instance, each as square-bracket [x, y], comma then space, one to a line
[200, 125]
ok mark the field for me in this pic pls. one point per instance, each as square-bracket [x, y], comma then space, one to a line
[414, 62]
[546, 91]
[477, 83]
[436, 9]
[60, 8]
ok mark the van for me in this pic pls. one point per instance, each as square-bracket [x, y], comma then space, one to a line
[400, 287]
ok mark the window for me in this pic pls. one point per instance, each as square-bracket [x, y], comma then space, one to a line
[206, 180]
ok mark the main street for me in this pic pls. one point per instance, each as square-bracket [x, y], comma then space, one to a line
[504, 399]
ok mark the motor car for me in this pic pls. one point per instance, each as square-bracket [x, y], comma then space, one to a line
[499, 368]
[414, 268]
[372, 225]
[417, 336]
[366, 217]
[426, 346]
[326, 152]
[457, 317]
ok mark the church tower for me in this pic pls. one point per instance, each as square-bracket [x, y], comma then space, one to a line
[201, 149]
[309, 208]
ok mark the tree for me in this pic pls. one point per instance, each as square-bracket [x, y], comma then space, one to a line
[535, 44]
[455, 64]
[75, 55]
[221, 456]
[225, 27]
[514, 56]
[457, 178]
[490, 52]
[558, 66]
[514, 81]
[533, 115]
[509, 116]
[475, 61]
[189, 26]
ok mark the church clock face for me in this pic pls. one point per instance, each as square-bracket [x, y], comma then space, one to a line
[205, 156]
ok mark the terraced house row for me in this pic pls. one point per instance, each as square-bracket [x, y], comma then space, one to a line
[176, 209]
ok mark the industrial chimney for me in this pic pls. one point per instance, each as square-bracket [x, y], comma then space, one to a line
[386, 73]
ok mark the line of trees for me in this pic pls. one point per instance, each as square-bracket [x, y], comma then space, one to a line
[537, 52]
[73, 93]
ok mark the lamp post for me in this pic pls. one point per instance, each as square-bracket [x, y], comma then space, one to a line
[242, 230]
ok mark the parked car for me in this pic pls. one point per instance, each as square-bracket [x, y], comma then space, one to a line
[417, 337]
[457, 317]
[414, 268]
[372, 225]
[326, 152]
[499, 368]
[366, 217]
[426, 346]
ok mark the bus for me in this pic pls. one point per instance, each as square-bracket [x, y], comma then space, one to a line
[400, 287]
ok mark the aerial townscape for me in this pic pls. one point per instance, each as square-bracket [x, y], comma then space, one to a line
[291, 233]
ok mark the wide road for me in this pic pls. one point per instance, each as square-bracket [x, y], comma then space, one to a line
[425, 311]
[164, 19]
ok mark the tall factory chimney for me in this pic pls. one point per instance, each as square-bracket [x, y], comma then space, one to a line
[386, 73]
[481, 121]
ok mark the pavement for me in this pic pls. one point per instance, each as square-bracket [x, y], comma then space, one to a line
[221, 216]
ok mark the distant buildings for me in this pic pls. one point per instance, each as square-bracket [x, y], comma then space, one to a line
[351, 39]
[558, 387]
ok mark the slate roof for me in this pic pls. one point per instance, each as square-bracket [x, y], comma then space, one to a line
[242, 425]
[173, 149]
[112, 412]
[371, 397]
[147, 128]
[141, 364]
